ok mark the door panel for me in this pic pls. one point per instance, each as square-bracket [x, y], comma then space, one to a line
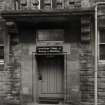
[51, 70]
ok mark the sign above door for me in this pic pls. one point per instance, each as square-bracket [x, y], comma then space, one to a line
[49, 49]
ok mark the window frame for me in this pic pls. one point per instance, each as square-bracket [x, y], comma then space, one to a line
[99, 44]
[2, 59]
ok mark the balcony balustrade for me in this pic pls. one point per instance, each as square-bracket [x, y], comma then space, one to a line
[18, 5]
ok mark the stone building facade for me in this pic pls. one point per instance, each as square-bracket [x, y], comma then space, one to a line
[47, 52]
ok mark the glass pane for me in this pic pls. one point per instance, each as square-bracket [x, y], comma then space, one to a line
[1, 38]
[1, 67]
[1, 52]
[102, 36]
[102, 52]
[50, 35]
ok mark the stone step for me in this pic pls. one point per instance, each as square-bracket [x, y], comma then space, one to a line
[44, 104]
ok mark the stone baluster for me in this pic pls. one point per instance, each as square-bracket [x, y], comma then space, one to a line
[23, 4]
[35, 4]
[59, 4]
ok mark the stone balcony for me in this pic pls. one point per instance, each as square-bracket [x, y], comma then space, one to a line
[20, 5]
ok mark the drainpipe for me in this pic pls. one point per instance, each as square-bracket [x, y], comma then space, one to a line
[96, 54]
[96, 59]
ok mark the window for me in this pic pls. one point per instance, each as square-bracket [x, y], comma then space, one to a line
[1, 49]
[1, 52]
[102, 44]
[1, 38]
[1, 55]
[50, 35]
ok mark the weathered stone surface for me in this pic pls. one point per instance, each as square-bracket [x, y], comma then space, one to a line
[34, 4]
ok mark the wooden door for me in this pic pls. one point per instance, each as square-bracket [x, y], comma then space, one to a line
[51, 74]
